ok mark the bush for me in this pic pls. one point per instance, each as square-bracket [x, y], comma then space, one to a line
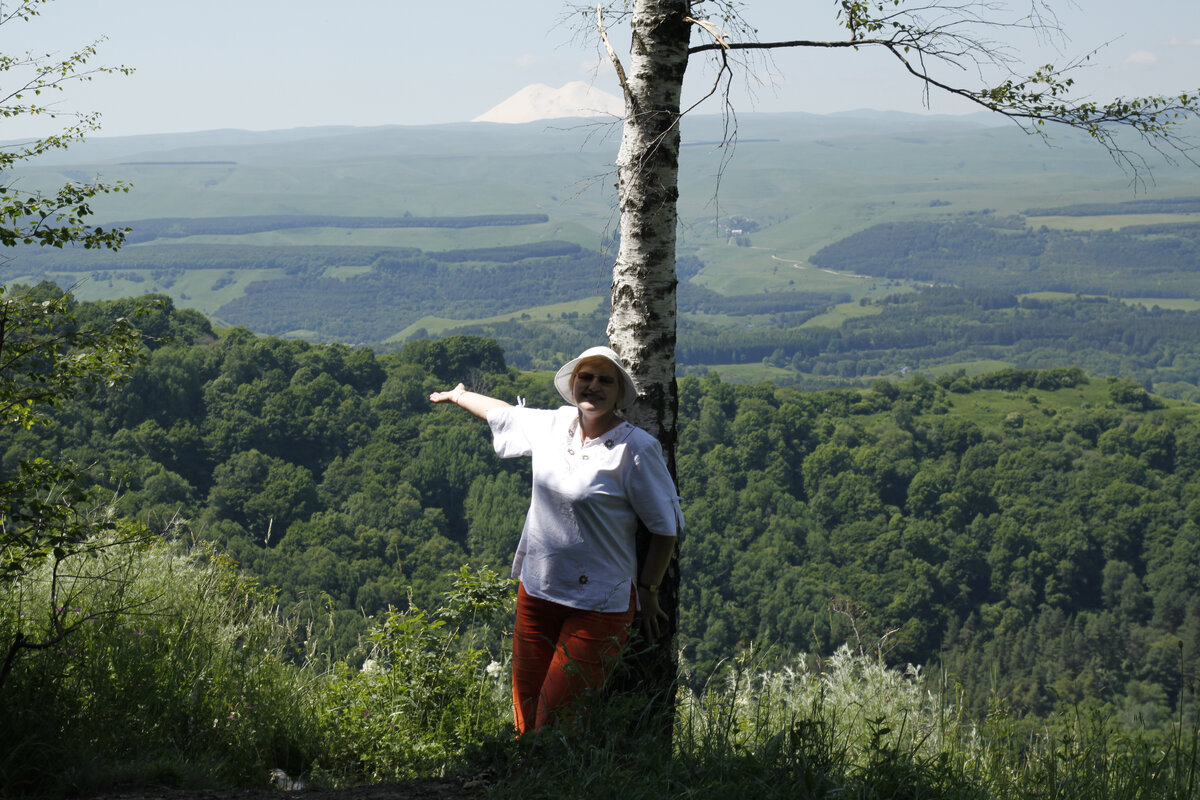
[425, 694]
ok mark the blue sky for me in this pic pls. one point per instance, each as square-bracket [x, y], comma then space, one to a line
[273, 64]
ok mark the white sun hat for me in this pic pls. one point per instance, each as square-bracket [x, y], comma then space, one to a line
[562, 379]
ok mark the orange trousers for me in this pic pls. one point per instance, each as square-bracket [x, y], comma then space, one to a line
[559, 653]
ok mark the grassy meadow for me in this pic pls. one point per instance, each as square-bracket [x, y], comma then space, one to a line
[437, 325]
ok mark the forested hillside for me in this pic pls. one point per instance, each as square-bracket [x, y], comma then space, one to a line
[939, 329]
[1037, 533]
[984, 252]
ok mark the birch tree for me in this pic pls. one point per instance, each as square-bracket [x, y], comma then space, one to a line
[937, 42]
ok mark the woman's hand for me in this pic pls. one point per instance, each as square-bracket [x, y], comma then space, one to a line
[477, 404]
[451, 396]
[653, 616]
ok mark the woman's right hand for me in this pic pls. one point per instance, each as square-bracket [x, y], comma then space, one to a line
[451, 396]
[477, 404]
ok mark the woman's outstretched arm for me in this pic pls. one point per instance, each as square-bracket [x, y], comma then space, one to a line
[477, 404]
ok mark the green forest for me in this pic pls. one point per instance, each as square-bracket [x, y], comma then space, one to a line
[1034, 534]
[983, 251]
[933, 330]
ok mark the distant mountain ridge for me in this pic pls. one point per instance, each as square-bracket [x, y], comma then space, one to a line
[326, 143]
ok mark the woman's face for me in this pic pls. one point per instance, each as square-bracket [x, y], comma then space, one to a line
[595, 386]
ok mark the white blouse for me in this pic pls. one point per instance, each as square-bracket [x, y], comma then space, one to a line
[578, 547]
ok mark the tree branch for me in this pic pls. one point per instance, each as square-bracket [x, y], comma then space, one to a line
[947, 32]
[612, 54]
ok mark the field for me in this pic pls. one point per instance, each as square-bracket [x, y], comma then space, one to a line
[834, 317]
[1111, 221]
[437, 325]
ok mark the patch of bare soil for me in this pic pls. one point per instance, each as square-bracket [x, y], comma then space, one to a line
[423, 789]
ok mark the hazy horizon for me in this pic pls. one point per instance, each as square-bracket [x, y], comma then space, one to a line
[273, 65]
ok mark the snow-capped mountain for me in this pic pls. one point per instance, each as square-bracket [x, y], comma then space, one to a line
[539, 101]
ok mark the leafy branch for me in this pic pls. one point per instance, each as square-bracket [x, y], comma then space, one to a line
[33, 217]
[46, 357]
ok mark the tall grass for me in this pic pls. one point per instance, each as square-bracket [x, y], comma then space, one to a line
[195, 680]
[180, 674]
[851, 727]
[186, 674]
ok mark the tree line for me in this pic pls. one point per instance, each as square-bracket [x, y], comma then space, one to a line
[1163, 205]
[923, 330]
[374, 305]
[146, 230]
[1001, 253]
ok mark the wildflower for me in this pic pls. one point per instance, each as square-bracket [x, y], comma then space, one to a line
[494, 669]
[371, 667]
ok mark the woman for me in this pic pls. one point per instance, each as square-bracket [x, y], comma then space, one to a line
[595, 476]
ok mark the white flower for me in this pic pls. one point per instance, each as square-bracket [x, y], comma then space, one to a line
[494, 669]
[371, 667]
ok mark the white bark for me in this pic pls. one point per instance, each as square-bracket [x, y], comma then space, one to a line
[642, 324]
[642, 327]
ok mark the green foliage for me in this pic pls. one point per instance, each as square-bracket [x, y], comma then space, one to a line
[1004, 255]
[935, 330]
[425, 693]
[45, 512]
[849, 727]
[454, 357]
[47, 357]
[1048, 563]
[56, 220]
[35, 218]
[192, 686]
[374, 305]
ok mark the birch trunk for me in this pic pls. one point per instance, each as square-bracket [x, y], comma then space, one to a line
[642, 326]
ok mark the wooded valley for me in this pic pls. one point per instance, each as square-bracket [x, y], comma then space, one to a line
[1033, 533]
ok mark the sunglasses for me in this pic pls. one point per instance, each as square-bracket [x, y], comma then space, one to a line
[588, 377]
